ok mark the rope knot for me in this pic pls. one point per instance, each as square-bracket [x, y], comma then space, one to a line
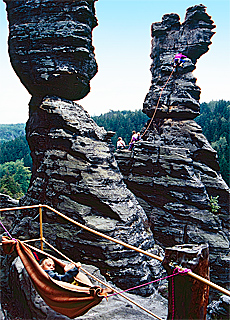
[179, 271]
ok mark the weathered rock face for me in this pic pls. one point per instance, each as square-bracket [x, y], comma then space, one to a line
[219, 309]
[180, 99]
[50, 46]
[174, 171]
[173, 178]
[74, 171]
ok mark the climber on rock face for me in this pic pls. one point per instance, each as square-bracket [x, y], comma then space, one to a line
[120, 143]
[179, 59]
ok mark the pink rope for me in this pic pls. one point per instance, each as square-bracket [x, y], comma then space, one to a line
[7, 232]
[173, 297]
[145, 284]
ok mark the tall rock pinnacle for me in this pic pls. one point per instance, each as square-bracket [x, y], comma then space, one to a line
[173, 170]
[74, 169]
[180, 98]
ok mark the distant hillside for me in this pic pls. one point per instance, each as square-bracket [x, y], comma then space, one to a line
[17, 149]
[11, 131]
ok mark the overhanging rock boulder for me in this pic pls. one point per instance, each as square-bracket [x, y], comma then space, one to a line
[50, 46]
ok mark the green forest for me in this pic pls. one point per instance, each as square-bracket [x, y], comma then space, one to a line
[214, 119]
[16, 163]
[122, 123]
[11, 131]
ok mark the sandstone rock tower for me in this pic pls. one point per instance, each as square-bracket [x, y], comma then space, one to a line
[74, 170]
[173, 171]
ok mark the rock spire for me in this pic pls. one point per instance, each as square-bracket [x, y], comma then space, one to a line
[173, 170]
[180, 98]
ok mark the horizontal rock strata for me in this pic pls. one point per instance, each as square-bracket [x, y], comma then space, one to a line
[180, 97]
[50, 46]
[75, 172]
[173, 174]
[174, 171]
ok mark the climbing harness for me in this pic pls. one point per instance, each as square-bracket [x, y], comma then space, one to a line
[158, 103]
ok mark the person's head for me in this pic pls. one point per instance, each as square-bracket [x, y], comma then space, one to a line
[134, 131]
[48, 264]
[138, 133]
[119, 138]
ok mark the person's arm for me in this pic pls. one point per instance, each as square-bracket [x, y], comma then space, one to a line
[131, 139]
[67, 277]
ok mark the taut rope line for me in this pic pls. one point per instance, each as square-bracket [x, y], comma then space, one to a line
[158, 103]
[194, 275]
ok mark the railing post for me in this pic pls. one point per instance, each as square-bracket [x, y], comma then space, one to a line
[188, 297]
[40, 220]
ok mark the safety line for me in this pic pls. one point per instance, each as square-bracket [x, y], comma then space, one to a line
[7, 231]
[145, 284]
[31, 240]
[158, 102]
[95, 278]
[104, 236]
[194, 275]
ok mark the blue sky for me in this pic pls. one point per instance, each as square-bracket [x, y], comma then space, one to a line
[122, 45]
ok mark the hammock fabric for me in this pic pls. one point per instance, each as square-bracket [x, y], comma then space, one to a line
[63, 297]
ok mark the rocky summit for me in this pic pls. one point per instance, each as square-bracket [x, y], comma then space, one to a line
[173, 170]
[50, 46]
[180, 98]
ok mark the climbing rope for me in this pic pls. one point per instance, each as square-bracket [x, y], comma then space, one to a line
[158, 102]
[179, 271]
[7, 232]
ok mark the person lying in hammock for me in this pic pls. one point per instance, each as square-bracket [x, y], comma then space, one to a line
[72, 273]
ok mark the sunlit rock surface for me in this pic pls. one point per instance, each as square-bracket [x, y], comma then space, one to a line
[74, 171]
